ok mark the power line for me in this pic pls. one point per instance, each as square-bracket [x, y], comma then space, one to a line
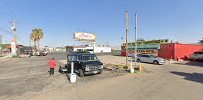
[10, 10]
[21, 40]
[7, 9]
[3, 15]
[5, 30]
[6, 26]
[21, 35]
[6, 13]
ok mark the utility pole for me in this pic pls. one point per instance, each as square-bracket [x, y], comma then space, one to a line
[14, 31]
[14, 41]
[126, 39]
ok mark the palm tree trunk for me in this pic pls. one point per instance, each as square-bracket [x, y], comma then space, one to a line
[35, 47]
[38, 45]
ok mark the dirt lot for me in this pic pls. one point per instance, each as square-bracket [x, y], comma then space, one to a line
[28, 79]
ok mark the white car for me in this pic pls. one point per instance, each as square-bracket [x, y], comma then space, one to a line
[36, 53]
[196, 55]
[150, 59]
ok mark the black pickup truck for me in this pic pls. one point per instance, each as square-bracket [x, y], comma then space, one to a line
[84, 63]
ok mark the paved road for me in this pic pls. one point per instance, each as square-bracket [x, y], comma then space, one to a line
[17, 76]
[168, 82]
[29, 76]
[28, 79]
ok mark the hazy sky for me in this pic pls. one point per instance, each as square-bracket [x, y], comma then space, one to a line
[177, 20]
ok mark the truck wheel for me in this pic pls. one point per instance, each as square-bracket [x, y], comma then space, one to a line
[100, 72]
[138, 60]
[81, 73]
[156, 62]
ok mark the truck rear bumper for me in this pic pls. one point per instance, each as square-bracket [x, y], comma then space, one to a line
[93, 72]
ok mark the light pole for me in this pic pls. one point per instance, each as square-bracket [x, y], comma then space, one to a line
[135, 40]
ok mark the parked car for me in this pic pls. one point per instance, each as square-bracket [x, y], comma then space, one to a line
[40, 53]
[150, 59]
[84, 63]
[36, 53]
[24, 55]
[196, 55]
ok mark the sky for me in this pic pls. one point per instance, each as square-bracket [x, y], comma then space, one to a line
[176, 20]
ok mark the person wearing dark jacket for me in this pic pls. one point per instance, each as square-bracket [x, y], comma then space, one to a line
[52, 65]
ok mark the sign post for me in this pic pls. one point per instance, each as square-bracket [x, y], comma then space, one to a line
[72, 75]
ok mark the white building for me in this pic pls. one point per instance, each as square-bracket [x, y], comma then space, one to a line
[102, 49]
[59, 49]
[92, 49]
[48, 48]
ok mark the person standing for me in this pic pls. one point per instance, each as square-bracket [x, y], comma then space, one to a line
[52, 65]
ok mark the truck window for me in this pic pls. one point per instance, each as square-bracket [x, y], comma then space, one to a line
[72, 58]
[89, 58]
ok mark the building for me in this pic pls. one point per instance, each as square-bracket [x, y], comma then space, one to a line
[24, 49]
[92, 49]
[83, 48]
[59, 49]
[177, 51]
[4, 51]
[102, 49]
[48, 48]
[21, 49]
[162, 48]
[143, 47]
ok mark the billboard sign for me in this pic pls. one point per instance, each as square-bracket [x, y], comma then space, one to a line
[147, 46]
[153, 42]
[82, 36]
[161, 41]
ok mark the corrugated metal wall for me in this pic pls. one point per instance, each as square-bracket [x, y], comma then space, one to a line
[166, 51]
[184, 50]
[178, 51]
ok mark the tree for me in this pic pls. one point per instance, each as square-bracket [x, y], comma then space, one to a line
[69, 48]
[140, 39]
[36, 35]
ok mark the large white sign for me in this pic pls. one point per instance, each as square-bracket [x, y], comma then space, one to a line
[84, 36]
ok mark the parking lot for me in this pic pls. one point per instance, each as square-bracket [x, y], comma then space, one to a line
[28, 79]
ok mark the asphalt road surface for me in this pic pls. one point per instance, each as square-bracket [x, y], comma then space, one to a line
[28, 79]
[22, 76]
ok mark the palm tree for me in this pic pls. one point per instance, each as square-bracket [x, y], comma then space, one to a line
[36, 35]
